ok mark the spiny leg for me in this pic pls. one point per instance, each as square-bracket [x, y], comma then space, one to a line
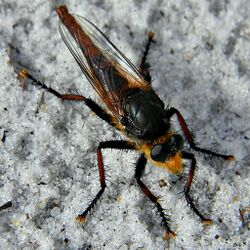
[173, 111]
[191, 157]
[140, 166]
[107, 144]
[6, 205]
[144, 66]
[70, 97]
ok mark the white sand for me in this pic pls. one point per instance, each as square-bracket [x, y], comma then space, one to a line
[48, 161]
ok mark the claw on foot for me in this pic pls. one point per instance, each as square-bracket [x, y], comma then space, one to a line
[81, 219]
[230, 158]
[22, 76]
[169, 235]
[207, 222]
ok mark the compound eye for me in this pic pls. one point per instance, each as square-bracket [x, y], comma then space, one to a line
[161, 152]
[158, 153]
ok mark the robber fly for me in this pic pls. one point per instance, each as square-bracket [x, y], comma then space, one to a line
[131, 106]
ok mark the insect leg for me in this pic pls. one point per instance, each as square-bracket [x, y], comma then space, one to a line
[6, 205]
[144, 66]
[191, 157]
[140, 166]
[173, 111]
[107, 144]
[70, 97]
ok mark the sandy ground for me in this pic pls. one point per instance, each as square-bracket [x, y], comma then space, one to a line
[48, 169]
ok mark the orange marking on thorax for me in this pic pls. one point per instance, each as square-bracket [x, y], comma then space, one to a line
[173, 165]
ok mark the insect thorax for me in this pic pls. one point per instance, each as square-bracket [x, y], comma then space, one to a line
[145, 117]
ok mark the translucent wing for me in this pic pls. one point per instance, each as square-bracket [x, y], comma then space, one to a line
[107, 69]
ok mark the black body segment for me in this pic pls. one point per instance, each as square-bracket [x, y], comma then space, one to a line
[144, 114]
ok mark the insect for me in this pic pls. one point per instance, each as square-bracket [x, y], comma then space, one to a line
[131, 106]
